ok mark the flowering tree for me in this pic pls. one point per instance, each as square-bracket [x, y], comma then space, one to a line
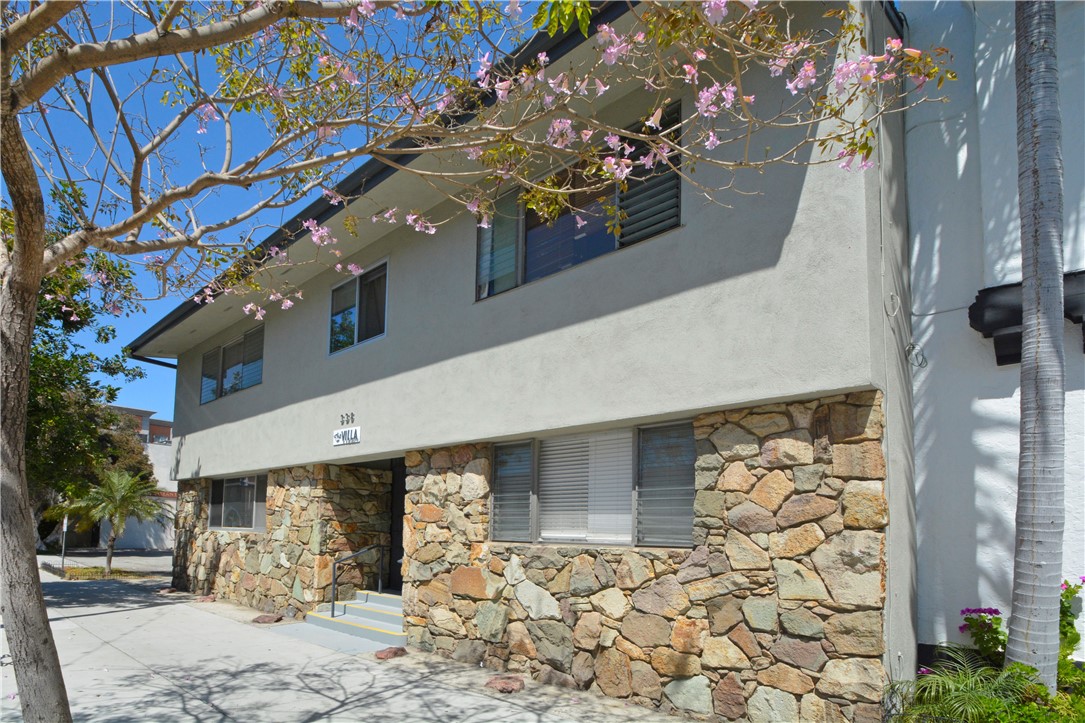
[185, 126]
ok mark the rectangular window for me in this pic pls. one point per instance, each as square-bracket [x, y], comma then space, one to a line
[358, 309]
[519, 247]
[233, 367]
[582, 486]
[513, 475]
[239, 503]
[665, 485]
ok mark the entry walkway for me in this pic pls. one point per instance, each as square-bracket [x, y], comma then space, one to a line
[130, 654]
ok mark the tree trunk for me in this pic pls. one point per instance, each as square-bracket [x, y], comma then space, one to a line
[110, 542]
[1037, 565]
[33, 651]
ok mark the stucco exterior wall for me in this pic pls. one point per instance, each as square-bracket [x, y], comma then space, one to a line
[962, 171]
[774, 615]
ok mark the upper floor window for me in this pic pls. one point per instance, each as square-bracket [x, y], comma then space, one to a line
[519, 247]
[239, 503]
[233, 367]
[627, 486]
[358, 309]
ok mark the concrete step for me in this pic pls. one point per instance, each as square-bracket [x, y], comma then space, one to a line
[377, 617]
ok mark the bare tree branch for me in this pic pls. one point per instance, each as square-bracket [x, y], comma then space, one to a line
[38, 20]
[67, 61]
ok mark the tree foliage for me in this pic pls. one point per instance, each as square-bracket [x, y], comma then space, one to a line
[117, 497]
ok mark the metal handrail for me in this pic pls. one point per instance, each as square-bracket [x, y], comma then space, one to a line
[380, 570]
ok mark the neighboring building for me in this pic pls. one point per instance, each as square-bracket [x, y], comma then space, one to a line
[157, 438]
[680, 472]
[966, 273]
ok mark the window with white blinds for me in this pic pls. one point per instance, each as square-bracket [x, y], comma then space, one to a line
[233, 367]
[583, 487]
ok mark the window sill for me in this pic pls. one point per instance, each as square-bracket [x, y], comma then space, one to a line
[572, 549]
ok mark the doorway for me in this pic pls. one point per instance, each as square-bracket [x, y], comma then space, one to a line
[395, 531]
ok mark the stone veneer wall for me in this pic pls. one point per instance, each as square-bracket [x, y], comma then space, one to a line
[774, 615]
[314, 514]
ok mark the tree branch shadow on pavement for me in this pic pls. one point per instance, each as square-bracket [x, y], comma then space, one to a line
[344, 688]
[114, 595]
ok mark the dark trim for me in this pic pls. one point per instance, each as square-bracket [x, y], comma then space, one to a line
[149, 360]
[374, 171]
[895, 16]
[996, 313]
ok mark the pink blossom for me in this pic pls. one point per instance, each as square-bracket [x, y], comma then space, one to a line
[321, 235]
[605, 35]
[472, 205]
[655, 119]
[420, 224]
[484, 66]
[204, 114]
[804, 79]
[502, 90]
[287, 303]
[613, 53]
[348, 75]
[619, 168]
[259, 315]
[612, 140]
[843, 73]
[714, 10]
[561, 133]
[893, 45]
[352, 19]
[699, 54]
[513, 9]
[324, 132]
[691, 72]
[484, 221]
[728, 95]
[543, 59]
[333, 198]
[580, 223]
[275, 296]
[248, 308]
[355, 269]
[712, 141]
[586, 134]
[706, 101]
[913, 53]
[473, 152]
[600, 88]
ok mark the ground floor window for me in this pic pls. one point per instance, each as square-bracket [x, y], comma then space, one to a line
[239, 503]
[626, 486]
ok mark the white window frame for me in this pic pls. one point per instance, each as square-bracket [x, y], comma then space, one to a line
[257, 503]
[357, 281]
[219, 386]
[535, 536]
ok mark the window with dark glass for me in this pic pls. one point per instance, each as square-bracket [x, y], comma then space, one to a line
[233, 367]
[239, 503]
[520, 247]
[625, 486]
[358, 308]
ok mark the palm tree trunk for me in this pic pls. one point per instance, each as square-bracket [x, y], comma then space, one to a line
[1037, 568]
[109, 548]
[33, 651]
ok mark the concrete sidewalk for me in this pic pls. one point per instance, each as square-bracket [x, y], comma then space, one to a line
[150, 561]
[130, 654]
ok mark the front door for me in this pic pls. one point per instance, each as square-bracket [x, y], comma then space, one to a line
[399, 494]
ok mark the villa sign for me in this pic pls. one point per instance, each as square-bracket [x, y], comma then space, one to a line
[348, 435]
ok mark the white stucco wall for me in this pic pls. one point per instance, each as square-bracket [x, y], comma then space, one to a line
[962, 172]
[767, 299]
